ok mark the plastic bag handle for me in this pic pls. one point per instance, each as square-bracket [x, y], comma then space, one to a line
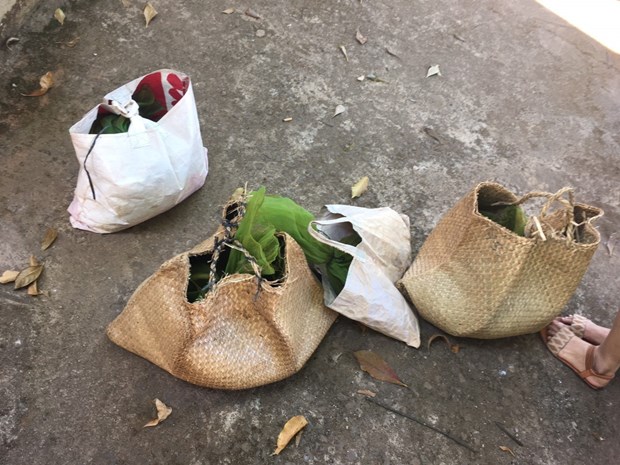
[349, 249]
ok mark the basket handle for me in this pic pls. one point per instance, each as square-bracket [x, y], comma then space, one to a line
[568, 205]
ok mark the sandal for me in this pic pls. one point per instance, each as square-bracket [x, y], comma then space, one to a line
[557, 344]
[578, 326]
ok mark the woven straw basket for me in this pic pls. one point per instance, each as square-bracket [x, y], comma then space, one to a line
[478, 279]
[239, 336]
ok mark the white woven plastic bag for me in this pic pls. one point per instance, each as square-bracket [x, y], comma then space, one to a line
[127, 178]
[379, 260]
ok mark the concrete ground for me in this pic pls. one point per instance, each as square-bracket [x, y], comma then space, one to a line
[524, 99]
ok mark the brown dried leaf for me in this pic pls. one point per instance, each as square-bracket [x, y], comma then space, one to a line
[252, 14]
[11, 41]
[50, 237]
[163, 412]
[45, 83]
[339, 110]
[28, 276]
[360, 38]
[59, 15]
[149, 13]
[8, 276]
[430, 132]
[390, 52]
[33, 261]
[611, 244]
[343, 49]
[291, 428]
[33, 289]
[507, 449]
[433, 71]
[228, 11]
[367, 393]
[70, 44]
[453, 347]
[376, 367]
[359, 187]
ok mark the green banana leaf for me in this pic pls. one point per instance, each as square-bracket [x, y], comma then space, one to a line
[511, 217]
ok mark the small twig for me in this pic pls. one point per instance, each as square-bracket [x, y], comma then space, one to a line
[508, 433]
[539, 229]
[420, 422]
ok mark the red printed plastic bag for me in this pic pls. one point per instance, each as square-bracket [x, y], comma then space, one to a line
[140, 153]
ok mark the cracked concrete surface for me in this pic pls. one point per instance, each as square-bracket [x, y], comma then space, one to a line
[524, 99]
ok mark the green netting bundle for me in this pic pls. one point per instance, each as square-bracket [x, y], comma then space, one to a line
[268, 214]
[265, 216]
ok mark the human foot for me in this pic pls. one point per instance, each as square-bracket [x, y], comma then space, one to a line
[582, 327]
[577, 354]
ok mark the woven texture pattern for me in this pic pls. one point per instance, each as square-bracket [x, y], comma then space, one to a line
[478, 279]
[236, 338]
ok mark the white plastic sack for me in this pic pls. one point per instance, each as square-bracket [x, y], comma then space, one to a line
[369, 295]
[130, 177]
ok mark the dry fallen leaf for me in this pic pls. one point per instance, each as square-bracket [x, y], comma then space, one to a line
[163, 412]
[33, 261]
[70, 44]
[298, 438]
[433, 70]
[149, 12]
[430, 132]
[507, 449]
[367, 393]
[374, 78]
[46, 83]
[390, 52]
[339, 109]
[33, 289]
[228, 11]
[28, 276]
[344, 52]
[291, 428]
[8, 276]
[59, 15]
[611, 244]
[360, 38]
[11, 41]
[376, 367]
[50, 237]
[252, 14]
[359, 187]
[453, 347]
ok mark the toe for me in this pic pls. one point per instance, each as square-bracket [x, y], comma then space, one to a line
[554, 327]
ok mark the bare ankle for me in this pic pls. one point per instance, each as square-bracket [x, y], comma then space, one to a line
[603, 364]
